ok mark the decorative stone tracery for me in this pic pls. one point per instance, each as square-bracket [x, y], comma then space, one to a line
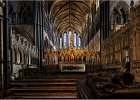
[23, 50]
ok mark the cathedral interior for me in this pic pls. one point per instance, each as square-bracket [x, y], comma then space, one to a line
[69, 49]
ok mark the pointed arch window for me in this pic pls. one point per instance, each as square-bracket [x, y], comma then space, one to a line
[69, 35]
[25, 14]
[118, 19]
[79, 42]
[60, 42]
[12, 14]
[21, 19]
[123, 16]
[29, 14]
[64, 40]
[75, 40]
[118, 16]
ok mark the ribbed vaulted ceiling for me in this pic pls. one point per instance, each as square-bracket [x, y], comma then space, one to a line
[70, 15]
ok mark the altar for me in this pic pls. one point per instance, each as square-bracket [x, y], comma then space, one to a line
[72, 67]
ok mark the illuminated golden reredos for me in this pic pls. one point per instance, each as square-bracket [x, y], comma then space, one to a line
[72, 54]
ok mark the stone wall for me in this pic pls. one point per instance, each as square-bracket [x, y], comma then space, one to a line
[124, 42]
[135, 38]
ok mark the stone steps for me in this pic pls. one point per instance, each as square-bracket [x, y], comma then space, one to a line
[25, 84]
[46, 94]
[45, 80]
[43, 89]
[46, 87]
[42, 97]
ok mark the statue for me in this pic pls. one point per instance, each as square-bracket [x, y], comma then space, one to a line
[71, 40]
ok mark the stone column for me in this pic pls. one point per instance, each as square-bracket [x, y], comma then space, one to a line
[1, 46]
[6, 47]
